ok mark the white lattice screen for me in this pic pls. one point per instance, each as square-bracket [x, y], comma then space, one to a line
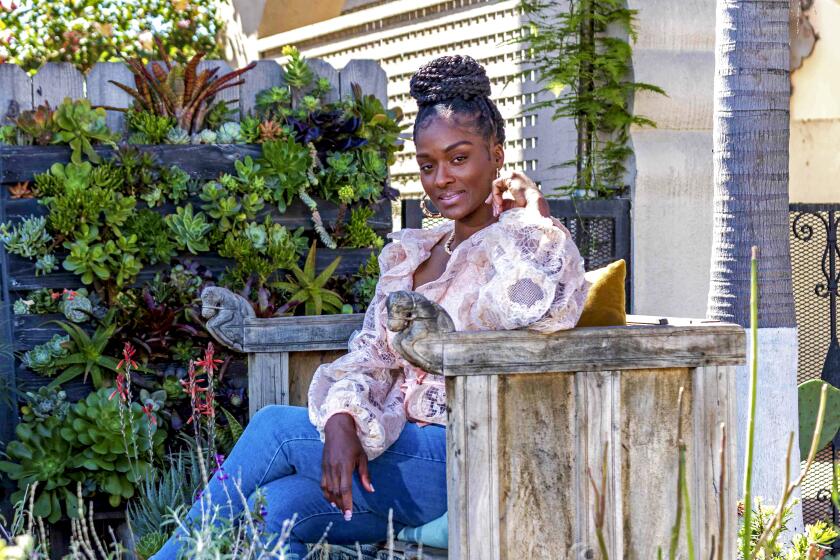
[403, 34]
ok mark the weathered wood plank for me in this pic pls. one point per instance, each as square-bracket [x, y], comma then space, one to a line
[324, 69]
[297, 334]
[536, 458]
[649, 458]
[229, 94]
[302, 366]
[714, 405]
[589, 349]
[598, 424]
[22, 271]
[15, 85]
[268, 380]
[266, 74]
[296, 215]
[472, 468]
[101, 92]
[21, 163]
[56, 81]
[369, 75]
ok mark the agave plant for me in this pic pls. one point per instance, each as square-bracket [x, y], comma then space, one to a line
[307, 286]
[178, 90]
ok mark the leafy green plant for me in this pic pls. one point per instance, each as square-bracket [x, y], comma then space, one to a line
[177, 135]
[75, 305]
[307, 286]
[189, 230]
[80, 125]
[87, 353]
[116, 442]
[815, 543]
[809, 400]
[364, 284]
[178, 90]
[147, 127]
[587, 69]
[380, 126]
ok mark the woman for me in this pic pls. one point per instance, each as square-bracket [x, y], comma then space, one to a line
[501, 263]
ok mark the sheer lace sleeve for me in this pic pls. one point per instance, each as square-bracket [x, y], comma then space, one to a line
[535, 276]
[366, 381]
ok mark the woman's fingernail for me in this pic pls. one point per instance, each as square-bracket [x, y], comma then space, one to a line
[333, 505]
[372, 489]
[348, 515]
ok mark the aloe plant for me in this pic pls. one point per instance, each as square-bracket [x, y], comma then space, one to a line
[80, 125]
[87, 355]
[307, 286]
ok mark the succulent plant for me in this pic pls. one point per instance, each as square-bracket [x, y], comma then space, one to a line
[21, 306]
[76, 307]
[115, 441]
[290, 166]
[230, 133]
[178, 90]
[149, 127]
[269, 130]
[249, 128]
[177, 135]
[148, 544]
[45, 264]
[42, 358]
[40, 454]
[189, 230]
[89, 258]
[359, 233]
[28, 238]
[80, 125]
[37, 125]
[8, 135]
[46, 403]
[86, 356]
[206, 136]
[307, 286]
[21, 190]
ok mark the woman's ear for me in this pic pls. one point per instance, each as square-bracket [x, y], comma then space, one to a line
[498, 155]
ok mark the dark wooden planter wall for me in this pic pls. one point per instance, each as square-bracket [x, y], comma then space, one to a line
[52, 84]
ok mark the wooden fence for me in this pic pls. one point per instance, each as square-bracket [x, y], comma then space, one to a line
[57, 80]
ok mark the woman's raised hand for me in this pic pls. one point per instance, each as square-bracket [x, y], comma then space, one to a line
[516, 190]
[343, 454]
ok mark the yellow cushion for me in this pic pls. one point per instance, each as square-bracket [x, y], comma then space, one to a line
[604, 306]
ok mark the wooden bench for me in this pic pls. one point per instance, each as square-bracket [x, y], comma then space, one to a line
[535, 419]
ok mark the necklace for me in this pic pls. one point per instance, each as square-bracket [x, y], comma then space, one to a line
[448, 245]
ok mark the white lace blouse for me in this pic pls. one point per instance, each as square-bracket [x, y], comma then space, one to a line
[522, 271]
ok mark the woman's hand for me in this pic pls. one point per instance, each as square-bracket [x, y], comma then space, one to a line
[343, 454]
[516, 190]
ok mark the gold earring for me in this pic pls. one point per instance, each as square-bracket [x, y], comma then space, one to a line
[426, 212]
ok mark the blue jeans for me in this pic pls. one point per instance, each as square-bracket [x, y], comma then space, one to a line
[280, 452]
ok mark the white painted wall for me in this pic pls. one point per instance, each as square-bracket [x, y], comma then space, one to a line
[672, 194]
[815, 112]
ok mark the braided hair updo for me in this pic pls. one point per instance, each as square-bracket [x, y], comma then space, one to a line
[455, 86]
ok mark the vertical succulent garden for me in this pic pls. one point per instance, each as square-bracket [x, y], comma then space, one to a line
[136, 237]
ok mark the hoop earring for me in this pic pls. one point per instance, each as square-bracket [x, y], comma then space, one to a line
[426, 212]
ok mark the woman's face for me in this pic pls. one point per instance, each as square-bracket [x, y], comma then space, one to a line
[457, 168]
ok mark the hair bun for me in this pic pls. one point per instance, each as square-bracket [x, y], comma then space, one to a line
[448, 77]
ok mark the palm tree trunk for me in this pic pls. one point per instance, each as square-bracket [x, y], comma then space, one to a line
[751, 127]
